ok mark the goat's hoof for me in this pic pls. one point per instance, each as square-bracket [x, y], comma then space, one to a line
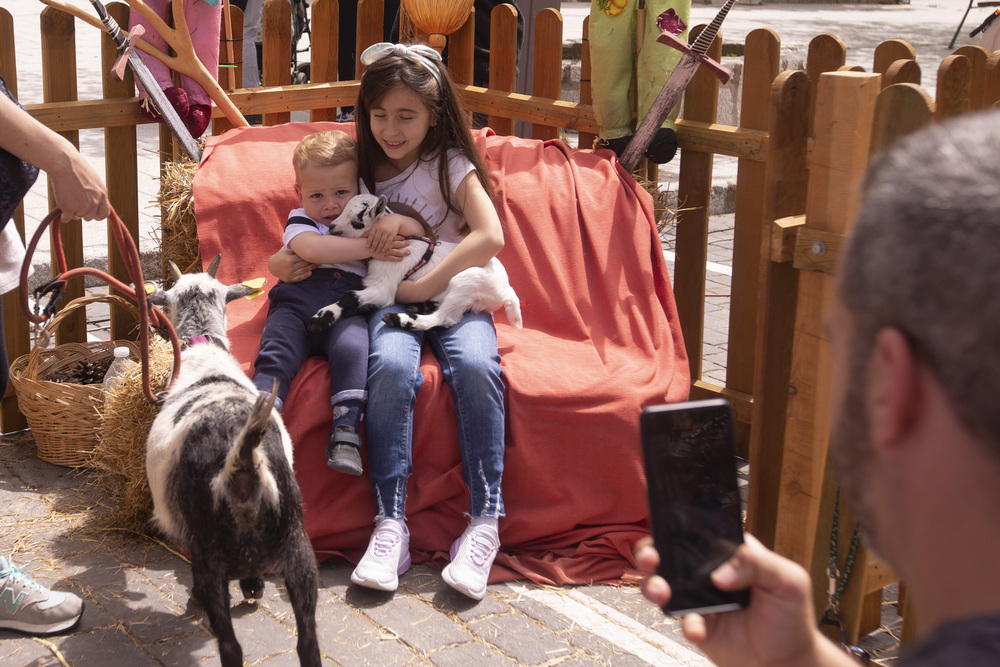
[392, 320]
[319, 324]
[253, 589]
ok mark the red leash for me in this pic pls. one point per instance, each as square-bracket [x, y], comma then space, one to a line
[57, 287]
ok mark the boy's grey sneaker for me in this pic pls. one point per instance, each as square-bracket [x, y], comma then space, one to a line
[27, 606]
[343, 453]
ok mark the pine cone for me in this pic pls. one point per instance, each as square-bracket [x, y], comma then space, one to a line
[90, 372]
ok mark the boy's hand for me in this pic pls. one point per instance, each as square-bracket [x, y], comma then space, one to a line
[398, 249]
[289, 267]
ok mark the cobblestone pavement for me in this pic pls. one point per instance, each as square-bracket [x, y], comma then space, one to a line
[139, 612]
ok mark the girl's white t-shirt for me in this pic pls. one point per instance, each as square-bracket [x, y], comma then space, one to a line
[416, 192]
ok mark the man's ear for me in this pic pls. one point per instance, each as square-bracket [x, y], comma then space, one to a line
[893, 394]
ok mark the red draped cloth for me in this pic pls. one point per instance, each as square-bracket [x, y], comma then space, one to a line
[600, 341]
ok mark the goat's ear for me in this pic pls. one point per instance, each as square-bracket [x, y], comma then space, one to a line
[214, 266]
[174, 269]
[380, 206]
[236, 291]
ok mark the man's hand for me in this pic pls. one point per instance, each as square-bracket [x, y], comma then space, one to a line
[778, 628]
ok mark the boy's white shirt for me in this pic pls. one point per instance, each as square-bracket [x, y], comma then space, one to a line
[293, 229]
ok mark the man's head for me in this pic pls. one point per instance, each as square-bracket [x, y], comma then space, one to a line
[919, 280]
[326, 173]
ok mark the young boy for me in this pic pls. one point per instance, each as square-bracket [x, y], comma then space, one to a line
[326, 178]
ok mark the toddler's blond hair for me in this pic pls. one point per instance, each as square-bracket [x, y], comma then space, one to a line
[324, 149]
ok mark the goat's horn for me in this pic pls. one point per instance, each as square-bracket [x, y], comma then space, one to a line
[214, 266]
[173, 269]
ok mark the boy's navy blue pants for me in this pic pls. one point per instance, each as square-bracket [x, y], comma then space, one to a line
[285, 342]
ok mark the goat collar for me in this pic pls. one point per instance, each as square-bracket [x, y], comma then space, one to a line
[431, 244]
[204, 338]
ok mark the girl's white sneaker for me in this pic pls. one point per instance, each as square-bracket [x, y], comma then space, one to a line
[472, 557]
[387, 557]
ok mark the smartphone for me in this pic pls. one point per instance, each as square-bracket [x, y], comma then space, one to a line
[694, 501]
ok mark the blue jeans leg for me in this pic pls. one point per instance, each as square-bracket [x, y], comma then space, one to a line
[471, 364]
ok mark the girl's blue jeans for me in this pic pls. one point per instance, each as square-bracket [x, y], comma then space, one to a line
[470, 361]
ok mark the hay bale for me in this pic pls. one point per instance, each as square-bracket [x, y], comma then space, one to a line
[179, 230]
[119, 458]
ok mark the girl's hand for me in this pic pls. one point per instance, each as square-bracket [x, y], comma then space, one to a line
[398, 249]
[288, 267]
[383, 233]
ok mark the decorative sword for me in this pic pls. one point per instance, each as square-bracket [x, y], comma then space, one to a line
[694, 57]
[127, 52]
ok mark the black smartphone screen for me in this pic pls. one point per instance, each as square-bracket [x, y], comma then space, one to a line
[694, 501]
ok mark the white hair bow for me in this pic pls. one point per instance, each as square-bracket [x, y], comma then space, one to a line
[415, 52]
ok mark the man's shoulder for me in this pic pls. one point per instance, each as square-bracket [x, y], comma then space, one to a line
[969, 641]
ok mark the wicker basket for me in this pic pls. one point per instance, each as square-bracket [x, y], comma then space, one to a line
[63, 416]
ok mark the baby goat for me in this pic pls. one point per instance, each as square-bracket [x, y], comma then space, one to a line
[482, 289]
[219, 462]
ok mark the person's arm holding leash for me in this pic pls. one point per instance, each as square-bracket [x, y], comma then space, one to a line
[78, 190]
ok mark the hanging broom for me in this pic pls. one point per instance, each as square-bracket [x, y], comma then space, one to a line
[438, 18]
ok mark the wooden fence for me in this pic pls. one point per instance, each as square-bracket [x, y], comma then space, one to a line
[804, 139]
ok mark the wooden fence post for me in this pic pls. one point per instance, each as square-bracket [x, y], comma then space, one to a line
[991, 81]
[901, 71]
[323, 59]
[889, 52]
[15, 327]
[694, 197]
[585, 139]
[785, 195]
[845, 108]
[547, 72]
[977, 56]
[503, 60]
[827, 53]
[230, 62]
[953, 86]
[59, 85]
[461, 47]
[121, 173]
[277, 65]
[761, 63]
[371, 16]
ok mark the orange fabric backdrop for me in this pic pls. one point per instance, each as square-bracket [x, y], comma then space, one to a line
[600, 340]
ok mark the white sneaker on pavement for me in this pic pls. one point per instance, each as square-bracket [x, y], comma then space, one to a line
[472, 557]
[27, 606]
[387, 557]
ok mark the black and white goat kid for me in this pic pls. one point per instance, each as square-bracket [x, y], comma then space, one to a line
[481, 289]
[219, 462]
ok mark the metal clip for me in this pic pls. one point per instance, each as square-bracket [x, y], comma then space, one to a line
[57, 288]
